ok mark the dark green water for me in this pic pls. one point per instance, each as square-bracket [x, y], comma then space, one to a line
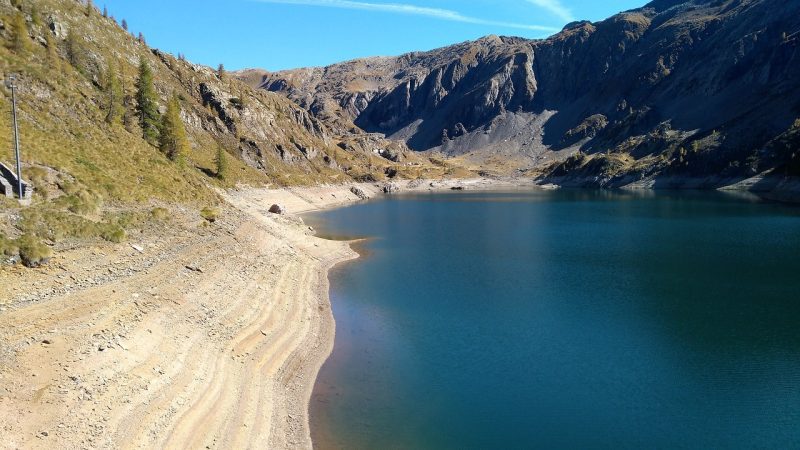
[569, 319]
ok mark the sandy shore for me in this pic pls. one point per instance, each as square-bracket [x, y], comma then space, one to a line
[189, 336]
[208, 337]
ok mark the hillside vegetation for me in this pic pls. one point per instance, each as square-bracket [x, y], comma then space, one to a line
[97, 172]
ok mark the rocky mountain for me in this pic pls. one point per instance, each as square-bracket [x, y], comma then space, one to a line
[674, 91]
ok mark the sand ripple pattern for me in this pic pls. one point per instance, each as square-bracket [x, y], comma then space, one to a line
[112, 348]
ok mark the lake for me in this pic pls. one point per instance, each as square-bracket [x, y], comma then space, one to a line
[563, 319]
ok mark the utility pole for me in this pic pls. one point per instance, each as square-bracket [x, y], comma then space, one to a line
[11, 83]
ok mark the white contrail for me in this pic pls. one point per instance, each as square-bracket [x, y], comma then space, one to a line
[555, 7]
[400, 8]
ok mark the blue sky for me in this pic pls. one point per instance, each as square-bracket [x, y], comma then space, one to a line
[283, 34]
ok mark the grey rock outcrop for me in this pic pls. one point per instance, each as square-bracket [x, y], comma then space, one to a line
[58, 29]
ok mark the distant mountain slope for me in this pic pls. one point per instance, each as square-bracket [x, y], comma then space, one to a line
[676, 88]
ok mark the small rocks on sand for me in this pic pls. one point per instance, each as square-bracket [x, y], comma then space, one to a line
[195, 268]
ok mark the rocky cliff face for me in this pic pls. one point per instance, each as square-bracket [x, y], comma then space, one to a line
[673, 89]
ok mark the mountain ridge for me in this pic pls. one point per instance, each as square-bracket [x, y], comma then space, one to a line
[643, 86]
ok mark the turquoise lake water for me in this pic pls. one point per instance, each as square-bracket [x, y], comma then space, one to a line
[566, 319]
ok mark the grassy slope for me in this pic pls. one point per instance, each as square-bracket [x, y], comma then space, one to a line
[94, 180]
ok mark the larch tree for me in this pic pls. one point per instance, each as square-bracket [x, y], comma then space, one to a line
[76, 53]
[36, 18]
[173, 141]
[20, 39]
[52, 51]
[221, 161]
[146, 106]
[113, 96]
[129, 114]
[243, 101]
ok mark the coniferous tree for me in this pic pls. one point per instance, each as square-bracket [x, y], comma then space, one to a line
[173, 141]
[124, 24]
[105, 11]
[89, 7]
[146, 106]
[76, 53]
[221, 161]
[141, 38]
[114, 95]
[128, 104]
[20, 39]
[243, 99]
[221, 72]
[52, 50]
[35, 16]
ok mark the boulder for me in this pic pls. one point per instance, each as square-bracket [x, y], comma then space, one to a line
[390, 188]
[358, 192]
[277, 209]
[58, 28]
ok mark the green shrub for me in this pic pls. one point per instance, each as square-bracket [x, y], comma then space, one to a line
[32, 251]
[209, 214]
[159, 213]
[8, 247]
[81, 202]
[113, 233]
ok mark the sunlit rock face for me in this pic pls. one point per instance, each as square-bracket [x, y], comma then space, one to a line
[718, 79]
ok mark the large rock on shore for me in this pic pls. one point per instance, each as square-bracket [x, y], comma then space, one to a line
[358, 192]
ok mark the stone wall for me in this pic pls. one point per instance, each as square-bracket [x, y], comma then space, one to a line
[8, 183]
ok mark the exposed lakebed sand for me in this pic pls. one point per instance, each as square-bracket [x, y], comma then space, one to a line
[189, 337]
